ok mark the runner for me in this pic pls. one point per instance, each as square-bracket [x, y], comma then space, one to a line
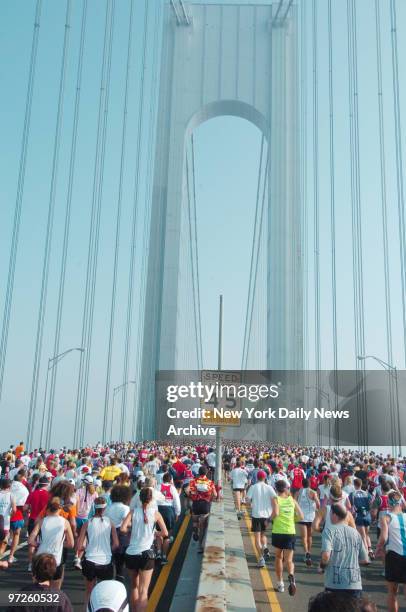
[52, 534]
[140, 557]
[201, 491]
[117, 511]
[170, 511]
[342, 552]
[361, 503]
[101, 536]
[239, 479]
[261, 495]
[392, 540]
[284, 510]
[7, 508]
[20, 493]
[308, 503]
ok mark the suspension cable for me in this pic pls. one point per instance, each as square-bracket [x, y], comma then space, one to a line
[97, 230]
[50, 221]
[118, 228]
[93, 216]
[192, 263]
[196, 251]
[19, 197]
[384, 201]
[72, 165]
[257, 259]
[254, 238]
[137, 415]
[332, 209]
[129, 316]
[399, 161]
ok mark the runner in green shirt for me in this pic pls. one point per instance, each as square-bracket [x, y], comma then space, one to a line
[285, 510]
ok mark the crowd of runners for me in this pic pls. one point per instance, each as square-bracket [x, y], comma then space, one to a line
[116, 507]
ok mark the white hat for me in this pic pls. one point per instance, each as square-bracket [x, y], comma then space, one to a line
[88, 479]
[110, 595]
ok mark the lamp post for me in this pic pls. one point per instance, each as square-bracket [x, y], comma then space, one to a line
[393, 372]
[115, 391]
[327, 396]
[52, 361]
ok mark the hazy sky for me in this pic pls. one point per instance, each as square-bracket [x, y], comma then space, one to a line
[227, 154]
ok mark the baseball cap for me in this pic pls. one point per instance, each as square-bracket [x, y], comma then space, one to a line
[108, 595]
[43, 480]
[88, 479]
[261, 474]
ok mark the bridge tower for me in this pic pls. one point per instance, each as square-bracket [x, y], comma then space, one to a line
[236, 60]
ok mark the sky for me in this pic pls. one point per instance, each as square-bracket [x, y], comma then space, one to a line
[227, 154]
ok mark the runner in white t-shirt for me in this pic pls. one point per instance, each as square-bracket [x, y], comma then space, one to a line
[260, 496]
[239, 479]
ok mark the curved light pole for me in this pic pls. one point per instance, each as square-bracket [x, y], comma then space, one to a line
[327, 396]
[393, 372]
[52, 361]
[115, 391]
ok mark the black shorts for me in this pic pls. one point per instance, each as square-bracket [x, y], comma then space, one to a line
[201, 507]
[91, 571]
[395, 567]
[58, 572]
[239, 490]
[306, 523]
[168, 514]
[139, 562]
[284, 541]
[259, 524]
[30, 525]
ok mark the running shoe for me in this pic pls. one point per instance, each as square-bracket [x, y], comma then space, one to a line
[261, 562]
[267, 554]
[280, 587]
[12, 560]
[292, 585]
[308, 560]
[77, 564]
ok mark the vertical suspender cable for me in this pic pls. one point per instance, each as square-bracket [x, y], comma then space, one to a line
[399, 161]
[332, 210]
[254, 238]
[129, 316]
[84, 337]
[151, 140]
[97, 229]
[65, 245]
[50, 221]
[254, 284]
[19, 198]
[118, 229]
[384, 201]
[191, 250]
[356, 217]
[316, 205]
[196, 252]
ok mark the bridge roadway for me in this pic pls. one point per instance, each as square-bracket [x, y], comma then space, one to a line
[174, 587]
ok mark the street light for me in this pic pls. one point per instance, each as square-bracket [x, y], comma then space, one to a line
[326, 395]
[115, 391]
[393, 372]
[52, 361]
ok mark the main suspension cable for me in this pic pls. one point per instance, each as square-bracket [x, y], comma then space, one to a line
[19, 198]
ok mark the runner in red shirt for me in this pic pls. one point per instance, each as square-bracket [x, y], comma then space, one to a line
[37, 501]
[201, 491]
